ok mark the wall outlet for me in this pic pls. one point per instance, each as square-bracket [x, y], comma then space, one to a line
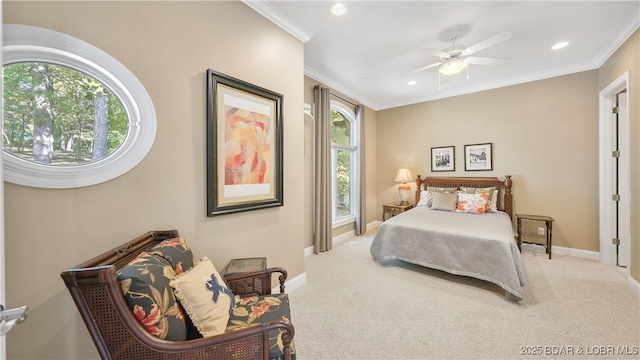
[540, 231]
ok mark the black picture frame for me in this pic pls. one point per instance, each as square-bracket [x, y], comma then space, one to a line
[244, 145]
[478, 157]
[443, 158]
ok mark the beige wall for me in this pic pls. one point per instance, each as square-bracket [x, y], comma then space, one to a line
[544, 134]
[369, 192]
[168, 46]
[627, 58]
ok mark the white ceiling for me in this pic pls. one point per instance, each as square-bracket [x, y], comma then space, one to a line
[369, 53]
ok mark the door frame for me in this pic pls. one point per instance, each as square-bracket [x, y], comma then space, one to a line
[3, 299]
[607, 249]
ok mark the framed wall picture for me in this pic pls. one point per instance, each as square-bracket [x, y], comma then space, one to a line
[478, 157]
[443, 158]
[244, 146]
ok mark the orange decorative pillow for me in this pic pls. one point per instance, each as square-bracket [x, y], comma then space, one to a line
[471, 203]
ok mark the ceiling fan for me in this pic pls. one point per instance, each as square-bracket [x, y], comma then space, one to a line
[456, 58]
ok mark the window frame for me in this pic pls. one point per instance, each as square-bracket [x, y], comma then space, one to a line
[23, 43]
[354, 141]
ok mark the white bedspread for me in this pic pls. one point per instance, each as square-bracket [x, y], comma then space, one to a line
[479, 246]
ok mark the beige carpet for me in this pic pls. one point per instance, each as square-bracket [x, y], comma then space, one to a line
[355, 308]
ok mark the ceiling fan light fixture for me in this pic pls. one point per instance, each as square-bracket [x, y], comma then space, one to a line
[453, 67]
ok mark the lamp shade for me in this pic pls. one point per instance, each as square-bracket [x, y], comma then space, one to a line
[403, 175]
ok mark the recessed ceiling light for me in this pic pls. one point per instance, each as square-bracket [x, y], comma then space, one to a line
[412, 82]
[560, 45]
[339, 9]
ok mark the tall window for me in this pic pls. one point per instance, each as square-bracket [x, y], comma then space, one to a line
[344, 161]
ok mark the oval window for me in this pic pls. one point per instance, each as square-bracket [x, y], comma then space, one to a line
[59, 116]
[73, 116]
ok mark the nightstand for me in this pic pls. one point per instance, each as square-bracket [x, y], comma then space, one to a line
[394, 209]
[548, 222]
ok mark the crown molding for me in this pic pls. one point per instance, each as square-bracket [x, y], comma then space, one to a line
[277, 17]
[327, 81]
[567, 70]
[267, 10]
[622, 36]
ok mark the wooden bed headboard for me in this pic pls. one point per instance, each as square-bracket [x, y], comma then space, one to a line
[505, 197]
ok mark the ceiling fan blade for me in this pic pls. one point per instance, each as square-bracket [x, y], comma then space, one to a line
[488, 61]
[439, 53]
[494, 40]
[428, 67]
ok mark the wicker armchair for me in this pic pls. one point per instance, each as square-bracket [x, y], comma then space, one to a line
[117, 333]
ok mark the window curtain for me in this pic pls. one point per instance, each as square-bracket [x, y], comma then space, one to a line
[361, 225]
[322, 223]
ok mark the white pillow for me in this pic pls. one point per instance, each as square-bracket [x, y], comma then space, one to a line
[207, 303]
[424, 198]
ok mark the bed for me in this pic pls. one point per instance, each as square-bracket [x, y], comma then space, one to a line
[480, 245]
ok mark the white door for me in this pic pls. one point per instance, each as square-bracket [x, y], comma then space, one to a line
[615, 181]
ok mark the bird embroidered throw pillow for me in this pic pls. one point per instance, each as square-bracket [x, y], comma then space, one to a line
[205, 297]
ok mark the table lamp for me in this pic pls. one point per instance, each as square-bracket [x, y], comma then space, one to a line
[403, 176]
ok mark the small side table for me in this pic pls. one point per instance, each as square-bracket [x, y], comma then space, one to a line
[394, 209]
[244, 265]
[548, 222]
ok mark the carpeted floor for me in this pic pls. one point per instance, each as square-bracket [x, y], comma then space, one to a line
[355, 308]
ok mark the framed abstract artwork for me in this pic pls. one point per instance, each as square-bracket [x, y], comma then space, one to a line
[244, 146]
[478, 157]
[443, 158]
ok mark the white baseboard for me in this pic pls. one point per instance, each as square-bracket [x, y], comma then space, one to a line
[308, 251]
[373, 224]
[291, 284]
[342, 237]
[634, 285]
[559, 250]
[585, 254]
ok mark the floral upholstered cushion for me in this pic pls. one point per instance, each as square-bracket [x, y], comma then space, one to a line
[177, 252]
[254, 310]
[145, 284]
[205, 297]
